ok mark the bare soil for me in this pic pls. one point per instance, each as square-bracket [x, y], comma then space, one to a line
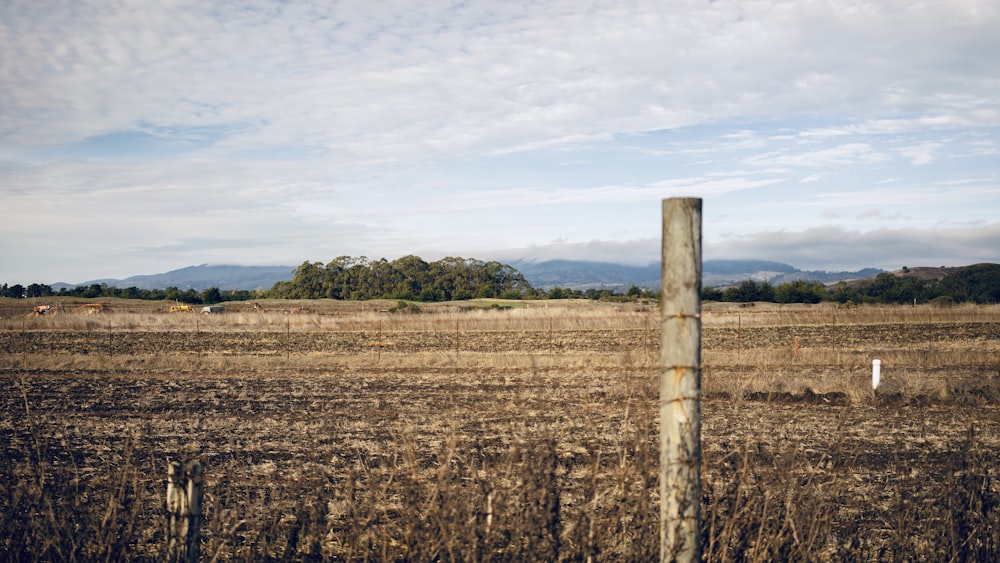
[396, 444]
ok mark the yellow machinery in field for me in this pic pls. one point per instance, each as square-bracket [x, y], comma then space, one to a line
[43, 310]
[181, 309]
[91, 308]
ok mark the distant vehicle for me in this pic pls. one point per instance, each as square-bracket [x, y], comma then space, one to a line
[91, 308]
[180, 309]
[212, 309]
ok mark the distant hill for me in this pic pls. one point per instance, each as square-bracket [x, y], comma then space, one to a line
[582, 275]
[571, 274]
[925, 273]
[825, 277]
[576, 274]
[978, 283]
[205, 276]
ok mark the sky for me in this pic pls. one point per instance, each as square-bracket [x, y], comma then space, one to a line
[140, 137]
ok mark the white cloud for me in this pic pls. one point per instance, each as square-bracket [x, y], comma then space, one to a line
[841, 155]
[640, 252]
[463, 75]
[389, 126]
[835, 248]
[921, 154]
[652, 193]
[825, 247]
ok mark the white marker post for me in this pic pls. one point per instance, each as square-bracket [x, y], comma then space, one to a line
[876, 373]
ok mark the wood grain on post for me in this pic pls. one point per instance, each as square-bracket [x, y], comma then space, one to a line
[184, 511]
[680, 381]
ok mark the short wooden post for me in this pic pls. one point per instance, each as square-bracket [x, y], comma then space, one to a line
[551, 351]
[680, 382]
[184, 511]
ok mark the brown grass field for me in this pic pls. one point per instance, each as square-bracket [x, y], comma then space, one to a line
[496, 431]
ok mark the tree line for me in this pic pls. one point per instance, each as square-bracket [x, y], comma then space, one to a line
[408, 278]
[454, 279]
[94, 291]
[973, 284]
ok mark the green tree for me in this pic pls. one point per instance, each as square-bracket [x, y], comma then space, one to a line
[94, 290]
[409, 277]
[133, 292]
[308, 281]
[888, 288]
[843, 293]
[211, 295]
[16, 291]
[38, 290]
[172, 294]
[800, 291]
[749, 291]
[979, 283]
[711, 294]
[557, 293]
[190, 296]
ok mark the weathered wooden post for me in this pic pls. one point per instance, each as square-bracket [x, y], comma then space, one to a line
[680, 382]
[550, 337]
[184, 511]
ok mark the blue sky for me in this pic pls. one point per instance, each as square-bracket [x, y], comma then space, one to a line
[140, 137]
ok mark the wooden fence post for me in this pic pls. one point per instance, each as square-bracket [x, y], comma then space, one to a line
[680, 382]
[184, 511]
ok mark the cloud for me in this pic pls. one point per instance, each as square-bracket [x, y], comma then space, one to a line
[840, 155]
[639, 252]
[984, 148]
[440, 79]
[826, 248]
[960, 118]
[921, 154]
[382, 128]
[969, 193]
[835, 248]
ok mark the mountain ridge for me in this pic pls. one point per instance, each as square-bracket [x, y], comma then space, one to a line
[583, 275]
[570, 274]
[201, 277]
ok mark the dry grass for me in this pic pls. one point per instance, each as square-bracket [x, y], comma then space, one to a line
[345, 433]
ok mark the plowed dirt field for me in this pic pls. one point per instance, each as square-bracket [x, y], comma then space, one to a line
[460, 443]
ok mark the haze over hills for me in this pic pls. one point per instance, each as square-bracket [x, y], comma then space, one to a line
[202, 277]
[572, 274]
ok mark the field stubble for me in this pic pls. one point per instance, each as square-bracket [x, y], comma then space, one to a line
[500, 434]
